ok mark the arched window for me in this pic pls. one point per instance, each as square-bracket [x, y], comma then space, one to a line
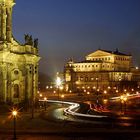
[16, 72]
[16, 91]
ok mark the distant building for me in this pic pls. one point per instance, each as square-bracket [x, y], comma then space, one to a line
[18, 63]
[101, 70]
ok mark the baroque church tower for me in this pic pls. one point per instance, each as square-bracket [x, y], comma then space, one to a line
[18, 63]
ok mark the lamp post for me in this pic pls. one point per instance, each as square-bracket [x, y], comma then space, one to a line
[105, 93]
[62, 96]
[45, 100]
[97, 90]
[123, 101]
[97, 82]
[58, 83]
[14, 113]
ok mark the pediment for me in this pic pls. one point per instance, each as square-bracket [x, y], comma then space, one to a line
[99, 53]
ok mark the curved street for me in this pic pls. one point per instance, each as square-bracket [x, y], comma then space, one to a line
[67, 121]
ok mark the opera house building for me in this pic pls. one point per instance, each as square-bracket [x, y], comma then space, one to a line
[102, 70]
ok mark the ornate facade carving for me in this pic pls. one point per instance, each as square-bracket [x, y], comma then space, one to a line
[18, 63]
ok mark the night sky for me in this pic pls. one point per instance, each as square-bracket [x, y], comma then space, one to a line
[73, 28]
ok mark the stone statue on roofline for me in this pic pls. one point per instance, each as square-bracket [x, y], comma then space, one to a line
[30, 42]
[28, 39]
[36, 43]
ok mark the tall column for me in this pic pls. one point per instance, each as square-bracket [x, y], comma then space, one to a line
[6, 19]
[3, 23]
[0, 20]
[4, 83]
[9, 24]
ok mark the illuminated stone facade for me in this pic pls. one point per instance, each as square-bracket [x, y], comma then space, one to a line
[100, 70]
[18, 63]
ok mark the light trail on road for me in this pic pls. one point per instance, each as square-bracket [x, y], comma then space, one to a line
[71, 109]
[130, 96]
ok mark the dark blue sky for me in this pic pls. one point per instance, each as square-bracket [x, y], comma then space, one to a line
[74, 28]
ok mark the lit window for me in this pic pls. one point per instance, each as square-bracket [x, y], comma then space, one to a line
[81, 78]
[92, 78]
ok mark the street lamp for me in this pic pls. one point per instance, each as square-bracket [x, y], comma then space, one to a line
[62, 96]
[123, 101]
[97, 89]
[14, 114]
[97, 82]
[45, 100]
[105, 93]
[58, 84]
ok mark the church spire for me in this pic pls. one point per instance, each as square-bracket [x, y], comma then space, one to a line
[6, 20]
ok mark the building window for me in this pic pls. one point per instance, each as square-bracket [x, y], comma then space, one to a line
[81, 78]
[16, 91]
[91, 78]
[16, 72]
[86, 78]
